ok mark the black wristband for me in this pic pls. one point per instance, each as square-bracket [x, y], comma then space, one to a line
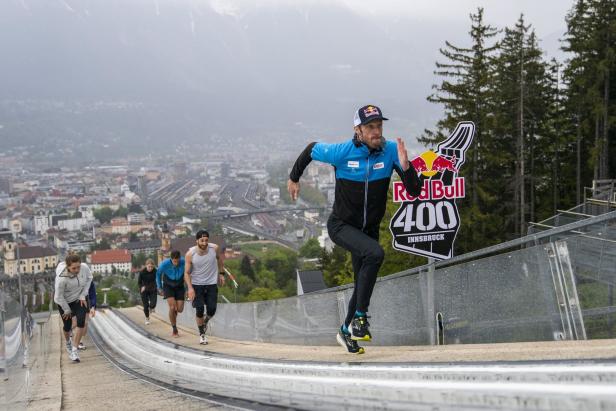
[221, 273]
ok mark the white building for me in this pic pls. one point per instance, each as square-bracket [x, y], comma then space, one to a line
[324, 241]
[311, 215]
[73, 224]
[110, 261]
[273, 195]
[87, 211]
[41, 224]
[135, 218]
[67, 243]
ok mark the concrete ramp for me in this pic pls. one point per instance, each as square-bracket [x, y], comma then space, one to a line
[335, 385]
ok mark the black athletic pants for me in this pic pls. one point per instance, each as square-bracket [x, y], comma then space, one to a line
[148, 298]
[367, 256]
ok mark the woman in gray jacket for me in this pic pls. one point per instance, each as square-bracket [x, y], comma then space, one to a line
[73, 280]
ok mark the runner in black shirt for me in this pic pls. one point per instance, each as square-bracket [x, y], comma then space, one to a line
[147, 288]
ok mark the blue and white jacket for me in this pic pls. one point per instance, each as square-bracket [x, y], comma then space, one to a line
[167, 272]
[362, 178]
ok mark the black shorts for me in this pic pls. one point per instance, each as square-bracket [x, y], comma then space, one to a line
[177, 292]
[77, 310]
[206, 295]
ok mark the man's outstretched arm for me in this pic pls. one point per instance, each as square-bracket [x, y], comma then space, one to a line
[298, 169]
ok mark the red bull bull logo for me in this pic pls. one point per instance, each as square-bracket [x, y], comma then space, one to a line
[430, 163]
[371, 111]
[443, 164]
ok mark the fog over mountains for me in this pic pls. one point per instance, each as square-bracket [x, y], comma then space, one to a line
[150, 73]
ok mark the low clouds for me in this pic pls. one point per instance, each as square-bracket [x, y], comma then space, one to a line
[345, 68]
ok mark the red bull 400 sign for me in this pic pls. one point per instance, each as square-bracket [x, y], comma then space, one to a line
[427, 225]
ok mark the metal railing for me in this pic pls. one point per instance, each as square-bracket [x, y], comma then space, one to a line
[23, 342]
[530, 239]
[602, 190]
[529, 289]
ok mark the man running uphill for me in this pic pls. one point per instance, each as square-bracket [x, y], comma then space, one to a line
[204, 270]
[73, 279]
[170, 283]
[363, 166]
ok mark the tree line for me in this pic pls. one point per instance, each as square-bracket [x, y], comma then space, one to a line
[544, 128]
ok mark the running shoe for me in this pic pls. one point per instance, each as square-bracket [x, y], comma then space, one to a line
[351, 345]
[202, 339]
[360, 329]
[175, 333]
[147, 321]
[74, 355]
[69, 346]
[82, 346]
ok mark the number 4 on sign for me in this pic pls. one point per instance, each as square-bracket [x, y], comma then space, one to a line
[403, 221]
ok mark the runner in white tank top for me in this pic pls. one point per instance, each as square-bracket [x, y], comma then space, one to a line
[204, 269]
[204, 265]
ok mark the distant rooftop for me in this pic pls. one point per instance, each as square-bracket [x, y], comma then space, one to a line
[310, 281]
[111, 256]
[36, 252]
[138, 245]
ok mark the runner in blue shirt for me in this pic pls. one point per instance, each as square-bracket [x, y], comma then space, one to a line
[170, 283]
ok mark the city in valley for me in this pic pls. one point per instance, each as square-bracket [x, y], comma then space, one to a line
[117, 213]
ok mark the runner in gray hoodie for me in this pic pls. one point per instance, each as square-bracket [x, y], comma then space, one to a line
[73, 280]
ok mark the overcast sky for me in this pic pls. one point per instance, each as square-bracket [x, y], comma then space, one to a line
[545, 13]
[546, 16]
[147, 69]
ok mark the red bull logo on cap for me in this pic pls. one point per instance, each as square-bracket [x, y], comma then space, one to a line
[371, 111]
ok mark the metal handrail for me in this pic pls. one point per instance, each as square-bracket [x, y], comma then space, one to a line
[600, 188]
[569, 212]
[601, 202]
[580, 233]
[603, 188]
[473, 255]
[534, 238]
